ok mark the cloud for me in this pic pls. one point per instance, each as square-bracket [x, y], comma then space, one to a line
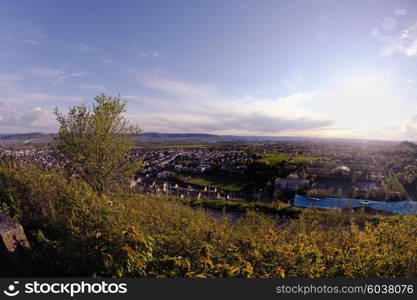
[362, 106]
[45, 72]
[178, 88]
[26, 33]
[57, 75]
[28, 117]
[192, 106]
[31, 42]
[144, 54]
[83, 48]
[106, 60]
[95, 87]
[67, 76]
[45, 97]
[410, 128]
[10, 80]
[293, 81]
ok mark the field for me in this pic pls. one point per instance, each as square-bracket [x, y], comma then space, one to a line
[391, 183]
[173, 146]
[301, 159]
[220, 182]
[273, 159]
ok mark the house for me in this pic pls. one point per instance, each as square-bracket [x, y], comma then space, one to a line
[375, 175]
[342, 170]
[287, 184]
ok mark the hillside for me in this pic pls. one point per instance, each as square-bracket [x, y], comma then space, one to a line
[406, 146]
[75, 232]
[28, 137]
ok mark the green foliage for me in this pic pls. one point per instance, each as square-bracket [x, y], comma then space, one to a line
[97, 141]
[301, 159]
[272, 158]
[220, 182]
[239, 206]
[75, 231]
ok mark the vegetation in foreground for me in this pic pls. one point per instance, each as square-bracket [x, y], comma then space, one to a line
[75, 231]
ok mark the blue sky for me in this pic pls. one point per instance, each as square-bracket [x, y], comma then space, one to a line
[304, 68]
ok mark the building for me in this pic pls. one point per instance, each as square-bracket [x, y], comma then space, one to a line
[288, 184]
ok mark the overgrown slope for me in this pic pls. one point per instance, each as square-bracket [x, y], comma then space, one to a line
[75, 232]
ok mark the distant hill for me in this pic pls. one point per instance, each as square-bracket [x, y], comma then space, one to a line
[155, 137]
[33, 136]
[406, 146]
[177, 135]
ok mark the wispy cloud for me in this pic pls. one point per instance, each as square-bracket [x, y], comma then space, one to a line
[47, 97]
[95, 87]
[57, 75]
[33, 118]
[106, 60]
[83, 48]
[45, 72]
[27, 33]
[144, 53]
[10, 80]
[32, 42]
[186, 106]
[67, 76]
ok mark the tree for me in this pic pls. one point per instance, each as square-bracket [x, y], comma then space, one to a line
[97, 141]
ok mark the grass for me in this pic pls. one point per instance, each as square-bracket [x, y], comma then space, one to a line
[220, 182]
[273, 159]
[174, 146]
[240, 206]
[392, 184]
[298, 160]
[75, 232]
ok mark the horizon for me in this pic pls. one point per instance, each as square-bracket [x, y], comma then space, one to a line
[242, 136]
[279, 69]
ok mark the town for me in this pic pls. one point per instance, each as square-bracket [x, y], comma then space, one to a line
[265, 171]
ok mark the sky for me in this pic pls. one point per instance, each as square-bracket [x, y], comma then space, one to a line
[242, 67]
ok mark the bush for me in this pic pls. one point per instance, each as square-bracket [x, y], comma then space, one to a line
[73, 230]
[76, 232]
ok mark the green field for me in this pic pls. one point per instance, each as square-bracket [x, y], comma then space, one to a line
[174, 146]
[273, 159]
[302, 159]
[391, 183]
[220, 182]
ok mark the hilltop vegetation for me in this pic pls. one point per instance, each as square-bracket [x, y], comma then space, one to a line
[76, 232]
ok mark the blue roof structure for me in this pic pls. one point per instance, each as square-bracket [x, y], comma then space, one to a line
[398, 207]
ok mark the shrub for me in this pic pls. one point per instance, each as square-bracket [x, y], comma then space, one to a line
[76, 232]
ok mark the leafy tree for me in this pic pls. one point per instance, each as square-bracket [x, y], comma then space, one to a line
[96, 142]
